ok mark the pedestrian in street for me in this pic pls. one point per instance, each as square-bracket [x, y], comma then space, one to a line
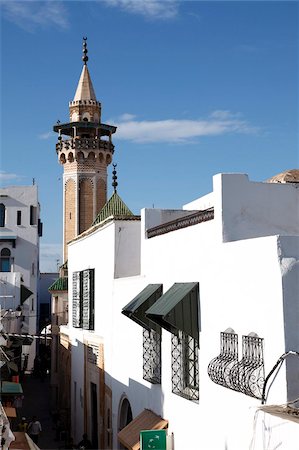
[84, 443]
[70, 444]
[23, 425]
[34, 428]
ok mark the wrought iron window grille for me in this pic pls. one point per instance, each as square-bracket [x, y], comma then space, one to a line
[152, 356]
[220, 367]
[248, 374]
[184, 365]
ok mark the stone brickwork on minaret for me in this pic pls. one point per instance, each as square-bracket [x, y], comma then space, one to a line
[84, 149]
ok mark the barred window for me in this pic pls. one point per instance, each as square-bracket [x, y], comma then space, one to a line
[184, 366]
[152, 356]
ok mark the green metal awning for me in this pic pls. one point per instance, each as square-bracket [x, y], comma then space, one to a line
[25, 293]
[178, 309]
[9, 387]
[137, 307]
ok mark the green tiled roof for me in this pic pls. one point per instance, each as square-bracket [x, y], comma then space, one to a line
[114, 207]
[61, 284]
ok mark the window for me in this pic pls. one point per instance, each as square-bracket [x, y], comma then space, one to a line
[77, 310]
[246, 375]
[83, 299]
[2, 215]
[19, 217]
[88, 299]
[184, 366]
[33, 215]
[152, 356]
[136, 310]
[5, 260]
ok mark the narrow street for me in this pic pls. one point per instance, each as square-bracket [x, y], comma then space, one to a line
[37, 402]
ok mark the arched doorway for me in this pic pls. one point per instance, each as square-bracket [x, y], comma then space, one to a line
[124, 417]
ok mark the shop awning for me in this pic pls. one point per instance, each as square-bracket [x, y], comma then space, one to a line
[147, 420]
[9, 387]
[178, 309]
[10, 411]
[285, 412]
[137, 307]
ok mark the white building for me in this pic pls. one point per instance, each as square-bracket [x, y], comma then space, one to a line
[20, 230]
[211, 298]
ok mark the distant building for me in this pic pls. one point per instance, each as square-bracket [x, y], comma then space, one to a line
[20, 231]
[176, 320]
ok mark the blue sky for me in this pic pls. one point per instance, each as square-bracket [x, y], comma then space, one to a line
[195, 88]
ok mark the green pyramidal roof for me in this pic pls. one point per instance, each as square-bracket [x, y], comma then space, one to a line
[61, 284]
[114, 207]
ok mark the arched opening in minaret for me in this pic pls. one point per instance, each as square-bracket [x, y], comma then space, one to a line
[80, 156]
[70, 157]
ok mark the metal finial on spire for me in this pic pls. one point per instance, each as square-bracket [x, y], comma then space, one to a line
[114, 177]
[85, 51]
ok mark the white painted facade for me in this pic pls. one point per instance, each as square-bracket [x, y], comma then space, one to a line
[246, 263]
[20, 235]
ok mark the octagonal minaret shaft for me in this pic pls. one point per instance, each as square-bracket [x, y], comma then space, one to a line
[85, 150]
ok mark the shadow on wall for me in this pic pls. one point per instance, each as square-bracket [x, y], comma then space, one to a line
[86, 404]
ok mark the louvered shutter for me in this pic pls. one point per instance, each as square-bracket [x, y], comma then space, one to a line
[88, 299]
[77, 304]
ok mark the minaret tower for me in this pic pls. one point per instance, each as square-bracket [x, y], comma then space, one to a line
[85, 150]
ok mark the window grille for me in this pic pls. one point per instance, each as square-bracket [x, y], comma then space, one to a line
[220, 367]
[247, 375]
[184, 365]
[152, 356]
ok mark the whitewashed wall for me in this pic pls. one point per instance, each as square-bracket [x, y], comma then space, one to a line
[249, 284]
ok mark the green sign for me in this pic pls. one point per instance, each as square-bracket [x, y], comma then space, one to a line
[153, 439]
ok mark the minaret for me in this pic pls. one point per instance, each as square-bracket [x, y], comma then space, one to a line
[85, 150]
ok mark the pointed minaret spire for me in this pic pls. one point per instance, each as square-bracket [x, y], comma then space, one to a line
[85, 89]
[85, 51]
[114, 177]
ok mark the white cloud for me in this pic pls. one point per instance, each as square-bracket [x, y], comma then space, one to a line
[50, 257]
[155, 9]
[181, 130]
[45, 136]
[30, 14]
[126, 117]
[6, 177]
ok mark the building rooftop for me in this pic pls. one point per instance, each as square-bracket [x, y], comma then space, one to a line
[289, 176]
[114, 207]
